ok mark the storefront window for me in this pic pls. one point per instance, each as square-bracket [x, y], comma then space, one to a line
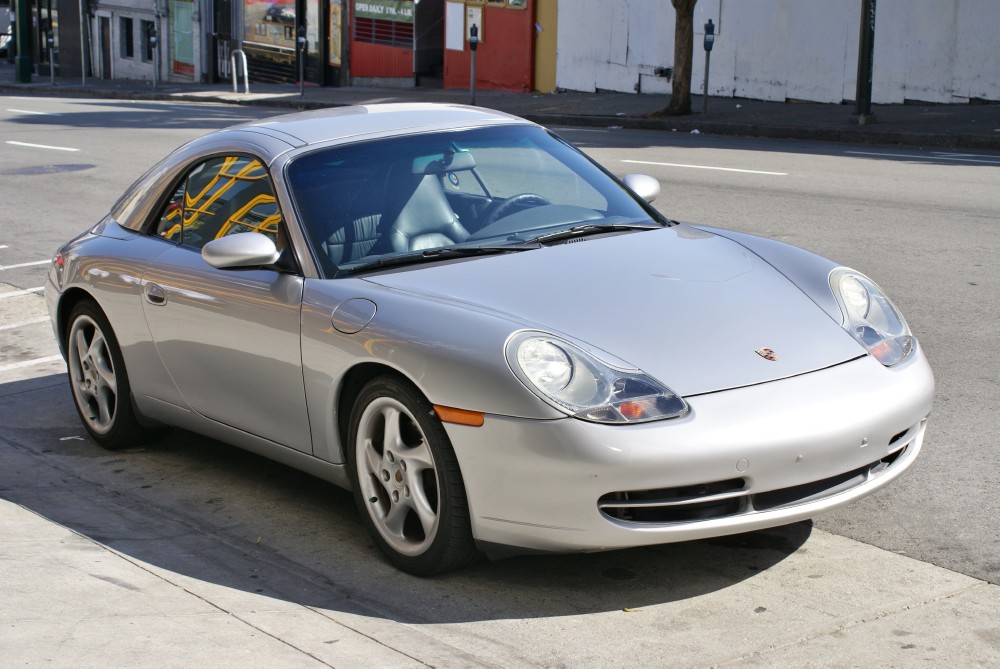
[182, 37]
[270, 23]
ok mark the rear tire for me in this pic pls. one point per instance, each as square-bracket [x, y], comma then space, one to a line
[99, 382]
[406, 479]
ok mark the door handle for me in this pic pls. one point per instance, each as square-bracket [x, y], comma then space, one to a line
[154, 294]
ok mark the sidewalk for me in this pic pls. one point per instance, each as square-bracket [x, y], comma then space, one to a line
[920, 125]
[70, 601]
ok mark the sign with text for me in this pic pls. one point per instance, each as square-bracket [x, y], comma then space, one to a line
[386, 10]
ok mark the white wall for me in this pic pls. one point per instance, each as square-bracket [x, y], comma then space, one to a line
[926, 50]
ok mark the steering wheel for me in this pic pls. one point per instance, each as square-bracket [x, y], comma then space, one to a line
[496, 212]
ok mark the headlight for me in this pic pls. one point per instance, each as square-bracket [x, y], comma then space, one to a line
[587, 388]
[871, 317]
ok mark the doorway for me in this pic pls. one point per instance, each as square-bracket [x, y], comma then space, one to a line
[105, 26]
[428, 40]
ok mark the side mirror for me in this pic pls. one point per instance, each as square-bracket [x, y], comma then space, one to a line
[244, 249]
[642, 185]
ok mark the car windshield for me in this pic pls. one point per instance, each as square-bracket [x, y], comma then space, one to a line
[372, 204]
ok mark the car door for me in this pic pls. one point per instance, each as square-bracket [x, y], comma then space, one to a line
[229, 338]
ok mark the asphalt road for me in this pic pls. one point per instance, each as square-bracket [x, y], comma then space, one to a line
[921, 223]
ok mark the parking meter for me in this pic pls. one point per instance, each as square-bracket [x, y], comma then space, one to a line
[473, 44]
[709, 35]
[302, 59]
[50, 43]
[154, 36]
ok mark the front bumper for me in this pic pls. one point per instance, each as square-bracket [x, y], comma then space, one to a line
[742, 460]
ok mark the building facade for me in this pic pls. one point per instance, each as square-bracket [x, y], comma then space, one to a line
[925, 50]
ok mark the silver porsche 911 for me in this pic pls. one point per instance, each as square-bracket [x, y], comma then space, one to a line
[497, 345]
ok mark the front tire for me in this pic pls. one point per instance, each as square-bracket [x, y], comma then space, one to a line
[406, 479]
[98, 380]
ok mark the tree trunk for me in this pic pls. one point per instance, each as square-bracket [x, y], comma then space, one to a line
[680, 95]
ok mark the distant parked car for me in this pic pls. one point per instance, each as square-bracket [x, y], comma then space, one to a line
[496, 344]
[281, 12]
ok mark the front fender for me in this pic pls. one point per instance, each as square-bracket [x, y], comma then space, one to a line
[452, 353]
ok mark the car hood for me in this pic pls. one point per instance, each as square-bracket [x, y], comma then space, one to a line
[688, 307]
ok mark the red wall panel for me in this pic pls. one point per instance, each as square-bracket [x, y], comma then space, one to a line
[379, 60]
[503, 59]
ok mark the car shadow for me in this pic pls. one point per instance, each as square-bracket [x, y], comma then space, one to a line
[201, 510]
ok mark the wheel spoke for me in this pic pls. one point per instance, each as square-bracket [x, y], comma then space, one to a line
[395, 518]
[97, 350]
[420, 504]
[373, 459]
[393, 438]
[105, 409]
[107, 376]
[81, 345]
[418, 457]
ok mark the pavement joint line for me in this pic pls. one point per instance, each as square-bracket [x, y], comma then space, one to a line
[859, 621]
[323, 613]
[705, 167]
[21, 324]
[30, 363]
[20, 293]
[25, 264]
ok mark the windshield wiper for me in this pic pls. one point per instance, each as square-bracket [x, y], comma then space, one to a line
[590, 229]
[446, 253]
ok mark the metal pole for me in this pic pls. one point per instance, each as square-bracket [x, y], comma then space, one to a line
[83, 47]
[22, 36]
[704, 90]
[472, 81]
[52, 63]
[156, 49]
[866, 58]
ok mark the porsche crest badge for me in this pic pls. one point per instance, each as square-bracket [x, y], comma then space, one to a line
[767, 354]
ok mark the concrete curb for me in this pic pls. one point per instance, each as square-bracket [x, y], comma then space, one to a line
[848, 133]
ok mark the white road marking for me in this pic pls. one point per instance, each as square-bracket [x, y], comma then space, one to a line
[3, 246]
[21, 324]
[29, 363]
[706, 167]
[42, 146]
[957, 157]
[19, 293]
[25, 264]
[28, 111]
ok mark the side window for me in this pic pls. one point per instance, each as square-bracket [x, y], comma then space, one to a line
[221, 196]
